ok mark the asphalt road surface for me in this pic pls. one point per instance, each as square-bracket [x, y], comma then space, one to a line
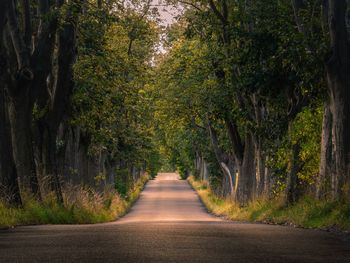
[169, 224]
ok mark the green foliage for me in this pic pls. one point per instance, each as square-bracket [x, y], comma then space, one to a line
[154, 163]
[112, 100]
[306, 130]
[258, 61]
[123, 181]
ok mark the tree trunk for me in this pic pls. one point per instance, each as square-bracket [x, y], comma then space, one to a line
[223, 163]
[260, 167]
[267, 176]
[60, 94]
[291, 194]
[341, 130]
[246, 177]
[197, 166]
[204, 170]
[49, 155]
[338, 79]
[323, 182]
[20, 112]
[9, 188]
[20, 102]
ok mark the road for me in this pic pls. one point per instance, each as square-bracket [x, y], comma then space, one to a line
[169, 224]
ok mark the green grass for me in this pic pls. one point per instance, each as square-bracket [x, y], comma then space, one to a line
[308, 212]
[81, 206]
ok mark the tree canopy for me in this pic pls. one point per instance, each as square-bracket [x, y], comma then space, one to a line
[251, 96]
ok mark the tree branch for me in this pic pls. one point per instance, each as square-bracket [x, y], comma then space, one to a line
[217, 12]
[338, 31]
[325, 9]
[27, 25]
[298, 5]
[214, 141]
[235, 139]
[190, 4]
[17, 41]
[224, 9]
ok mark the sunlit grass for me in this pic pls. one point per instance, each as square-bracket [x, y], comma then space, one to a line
[308, 212]
[81, 206]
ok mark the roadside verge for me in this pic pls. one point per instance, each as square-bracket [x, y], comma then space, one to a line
[307, 213]
[81, 206]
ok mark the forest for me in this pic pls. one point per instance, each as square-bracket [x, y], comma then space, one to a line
[250, 98]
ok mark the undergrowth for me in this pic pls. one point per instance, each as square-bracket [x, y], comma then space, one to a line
[81, 206]
[308, 212]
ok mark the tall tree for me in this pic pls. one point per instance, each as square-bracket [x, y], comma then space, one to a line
[9, 188]
[338, 79]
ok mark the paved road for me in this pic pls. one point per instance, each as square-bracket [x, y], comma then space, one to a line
[169, 224]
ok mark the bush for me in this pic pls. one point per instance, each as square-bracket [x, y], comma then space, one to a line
[123, 181]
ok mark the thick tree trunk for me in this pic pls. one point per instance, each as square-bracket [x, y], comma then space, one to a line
[259, 116]
[245, 162]
[338, 78]
[201, 167]
[246, 177]
[228, 186]
[50, 161]
[20, 112]
[20, 102]
[57, 103]
[291, 192]
[227, 171]
[340, 133]
[204, 170]
[260, 170]
[9, 188]
[236, 141]
[323, 179]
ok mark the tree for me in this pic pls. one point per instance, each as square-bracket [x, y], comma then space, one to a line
[9, 188]
[338, 80]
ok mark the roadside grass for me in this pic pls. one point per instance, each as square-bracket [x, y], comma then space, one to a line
[81, 206]
[308, 212]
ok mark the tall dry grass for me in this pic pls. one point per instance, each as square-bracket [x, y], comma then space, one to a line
[307, 212]
[82, 205]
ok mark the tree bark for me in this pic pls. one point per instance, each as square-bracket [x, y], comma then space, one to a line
[246, 177]
[267, 176]
[226, 170]
[20, 112]
[22, 53]
[245, 161]
[338, 79]
[260, 168]
[236, 141]
[323, 179]
[204, 169]
[9, 188]
[21, 105]
[291, 192]
[57, 99]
